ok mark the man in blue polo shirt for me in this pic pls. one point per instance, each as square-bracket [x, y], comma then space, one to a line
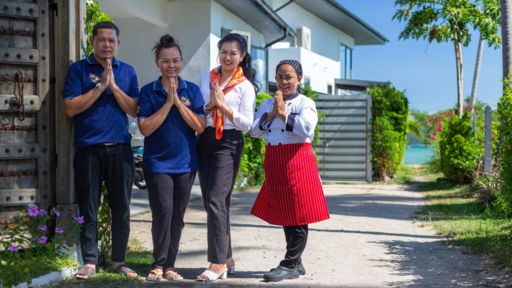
[99, 91]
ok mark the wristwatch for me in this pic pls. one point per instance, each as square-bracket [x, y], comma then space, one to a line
[100, 86]
[205, 108]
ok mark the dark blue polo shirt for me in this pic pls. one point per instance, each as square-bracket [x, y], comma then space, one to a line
[171, 149]
[104, 121]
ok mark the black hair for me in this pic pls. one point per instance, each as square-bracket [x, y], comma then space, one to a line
[104, 25]
[166, 41]
[246, 63]
[295, 65]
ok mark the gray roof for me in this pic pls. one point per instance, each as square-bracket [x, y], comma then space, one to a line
[339, 17]
[355, 85]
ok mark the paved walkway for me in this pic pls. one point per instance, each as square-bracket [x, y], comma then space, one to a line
[370, 241]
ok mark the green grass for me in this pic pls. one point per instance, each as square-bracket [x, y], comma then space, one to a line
[453, 211]
[136, 258]
[409, 173]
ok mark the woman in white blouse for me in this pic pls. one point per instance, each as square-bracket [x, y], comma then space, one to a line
[231, 100]
[292, 194]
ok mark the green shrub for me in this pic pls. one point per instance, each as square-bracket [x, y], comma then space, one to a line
[251, 167]
[504, 152]
[459, 150]
[390, 111]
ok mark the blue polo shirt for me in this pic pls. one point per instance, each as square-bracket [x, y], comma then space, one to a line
[104, 121]
[171, 149]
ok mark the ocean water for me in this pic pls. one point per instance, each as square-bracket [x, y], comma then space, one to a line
[418, 154]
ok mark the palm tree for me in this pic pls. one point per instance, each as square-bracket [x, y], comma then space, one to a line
[506, 29]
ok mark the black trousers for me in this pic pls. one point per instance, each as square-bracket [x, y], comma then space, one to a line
[219, 161]
[168, 198]
[296, 238]
[114, 165]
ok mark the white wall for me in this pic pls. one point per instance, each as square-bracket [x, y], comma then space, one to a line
[325, 39]
[139, 36]
[223, 18]
[321, 70]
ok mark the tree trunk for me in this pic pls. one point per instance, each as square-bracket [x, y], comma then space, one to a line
[460, 91]
[476, 77]
[506, 29]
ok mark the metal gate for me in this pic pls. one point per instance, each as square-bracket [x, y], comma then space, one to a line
[344, 149]
[26, 127]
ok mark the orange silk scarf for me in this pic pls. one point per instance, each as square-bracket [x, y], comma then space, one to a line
[217, 115]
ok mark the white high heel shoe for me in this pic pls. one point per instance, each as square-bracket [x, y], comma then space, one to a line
[208, 275]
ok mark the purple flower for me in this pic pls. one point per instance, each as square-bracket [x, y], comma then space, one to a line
[42, 240]
[59, 230]
[80, 219]
[43, 228]
[13, 248]
[57, 212]
[32, 210]
[41, 213]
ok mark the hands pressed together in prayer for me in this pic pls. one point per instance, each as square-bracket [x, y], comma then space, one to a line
[278, 108]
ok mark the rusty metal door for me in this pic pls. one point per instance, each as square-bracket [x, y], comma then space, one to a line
[26, 125]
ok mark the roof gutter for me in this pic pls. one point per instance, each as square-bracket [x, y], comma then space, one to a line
[287, 31]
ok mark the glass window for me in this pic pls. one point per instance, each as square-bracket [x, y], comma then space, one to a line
[345, 58]
[259, 63]
[329, 89]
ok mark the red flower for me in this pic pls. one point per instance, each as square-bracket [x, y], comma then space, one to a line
[431, 120]
[439, 126]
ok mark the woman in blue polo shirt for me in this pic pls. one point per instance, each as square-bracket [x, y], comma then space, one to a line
[170, 114]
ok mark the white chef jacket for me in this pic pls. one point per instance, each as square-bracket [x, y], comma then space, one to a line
[298, 127]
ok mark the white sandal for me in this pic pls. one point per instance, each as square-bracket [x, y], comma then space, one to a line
[209, 275]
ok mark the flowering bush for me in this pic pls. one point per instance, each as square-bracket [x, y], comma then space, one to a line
[32, 240]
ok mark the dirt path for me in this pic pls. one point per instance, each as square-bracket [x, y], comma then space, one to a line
[370, 241]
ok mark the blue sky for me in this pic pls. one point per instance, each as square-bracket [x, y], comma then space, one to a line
[425, 71]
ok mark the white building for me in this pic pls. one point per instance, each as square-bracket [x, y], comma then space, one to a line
[321, 34]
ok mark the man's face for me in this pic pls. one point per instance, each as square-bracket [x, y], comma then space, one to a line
[105, 43]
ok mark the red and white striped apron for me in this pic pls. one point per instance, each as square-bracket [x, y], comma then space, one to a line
[292, 193]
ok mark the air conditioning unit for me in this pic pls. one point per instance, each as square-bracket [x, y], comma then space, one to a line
[304, 37]
[247, 35]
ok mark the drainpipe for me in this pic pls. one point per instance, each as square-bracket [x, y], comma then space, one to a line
[285, 34]
[284, 5]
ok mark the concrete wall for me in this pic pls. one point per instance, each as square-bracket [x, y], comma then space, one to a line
[138, 36]
[223, 18]
[325, 39]
[321, 70]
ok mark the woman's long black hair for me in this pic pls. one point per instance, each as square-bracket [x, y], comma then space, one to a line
[246, 63]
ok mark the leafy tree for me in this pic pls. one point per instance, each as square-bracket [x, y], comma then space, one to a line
[450, 21]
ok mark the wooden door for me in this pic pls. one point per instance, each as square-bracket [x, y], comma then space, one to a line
[26, 125]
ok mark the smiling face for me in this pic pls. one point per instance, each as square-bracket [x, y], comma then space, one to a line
[105, 44]
[287, 80]
[169, 62]
[230, 56]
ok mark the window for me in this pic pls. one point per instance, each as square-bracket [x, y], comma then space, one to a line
[259, 63]
[345, 62]
[329, 89]
[307, 81]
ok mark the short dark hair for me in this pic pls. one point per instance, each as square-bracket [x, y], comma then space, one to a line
[104, 25]
[166, 41]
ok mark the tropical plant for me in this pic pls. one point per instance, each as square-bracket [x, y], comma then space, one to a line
[504, 155]
[93, 16]
[390, 113]
[450, 20]
[459, 150]
[32, 240]
[251, 167]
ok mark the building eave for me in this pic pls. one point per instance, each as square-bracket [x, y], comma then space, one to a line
[339, 17]
[259, 15]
